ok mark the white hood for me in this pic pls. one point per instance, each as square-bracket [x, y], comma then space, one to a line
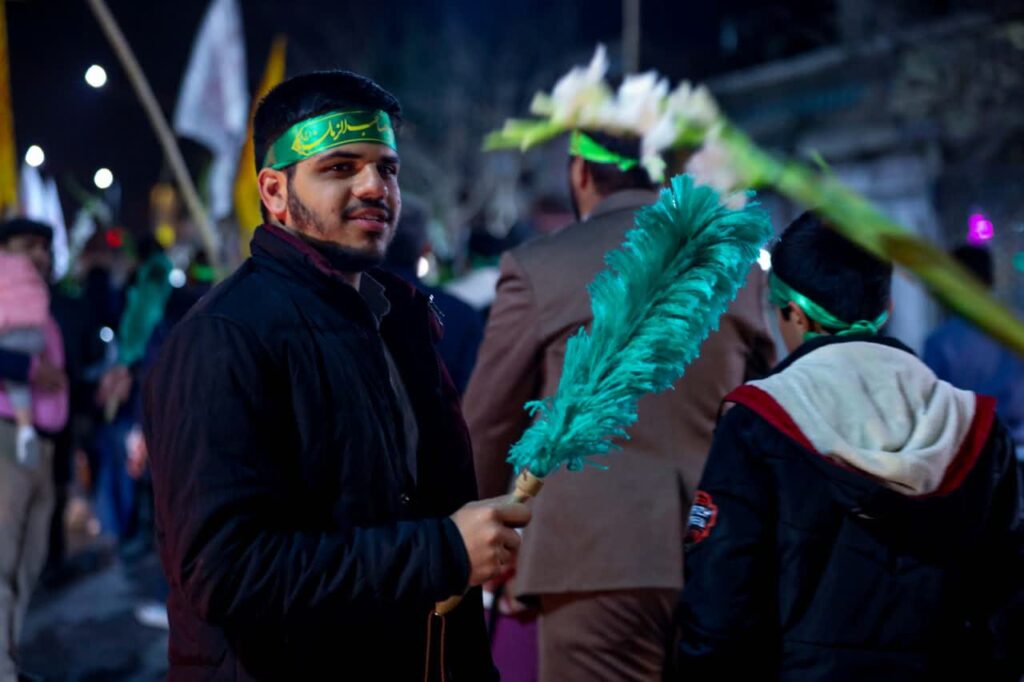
[878, 409]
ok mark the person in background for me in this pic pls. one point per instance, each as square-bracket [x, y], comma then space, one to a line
[858, 518]
[601, 556]
[24, 312]
[26, 484]
[463, 327]
[963, 355]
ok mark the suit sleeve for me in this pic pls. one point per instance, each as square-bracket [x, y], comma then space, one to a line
[727, 608]
[506, 376]
[212, 403]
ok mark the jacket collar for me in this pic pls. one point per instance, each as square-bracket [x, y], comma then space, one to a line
[630, 199]
[821, 341]
[277, 249]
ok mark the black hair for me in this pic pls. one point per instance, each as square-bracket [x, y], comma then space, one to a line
[17, 227]
[410, 235]
[835, 273]
[312, 94]
[608, 178]
[978, 260]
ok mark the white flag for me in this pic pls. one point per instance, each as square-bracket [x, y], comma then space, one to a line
[40, 201]
[213, 105]
[55, 219]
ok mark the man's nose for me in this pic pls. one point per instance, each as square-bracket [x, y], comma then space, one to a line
[370, 184]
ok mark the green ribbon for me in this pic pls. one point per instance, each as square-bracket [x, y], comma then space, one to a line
[781, 294]
[318, 134]
[586, 147]
[202, 273]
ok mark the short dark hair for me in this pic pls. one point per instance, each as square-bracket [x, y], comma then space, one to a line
[312, 94]
[410, 235]
[832, 271]
[978, 260]
[608, 178]
[17, 227]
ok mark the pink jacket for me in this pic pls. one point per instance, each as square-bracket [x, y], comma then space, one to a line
[49, 410]
[24, 298]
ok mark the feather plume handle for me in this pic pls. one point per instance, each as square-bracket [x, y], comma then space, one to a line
[659, 298]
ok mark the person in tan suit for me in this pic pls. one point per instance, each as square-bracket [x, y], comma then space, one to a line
[603, 558]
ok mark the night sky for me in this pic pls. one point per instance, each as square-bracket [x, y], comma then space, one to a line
[52, 43]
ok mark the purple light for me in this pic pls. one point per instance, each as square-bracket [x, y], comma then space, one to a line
[979, 229]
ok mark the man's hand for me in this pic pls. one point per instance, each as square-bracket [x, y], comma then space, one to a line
[48, 377]
[487, 529]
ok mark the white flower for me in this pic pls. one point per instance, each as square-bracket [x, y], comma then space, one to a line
[639, 102]
[712, 166]
[694, 106]
[580, 91]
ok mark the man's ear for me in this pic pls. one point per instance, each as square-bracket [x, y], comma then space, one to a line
[579, 174]
[273, 186]
[798, 317]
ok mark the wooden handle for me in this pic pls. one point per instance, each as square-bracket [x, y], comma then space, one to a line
[527, 487]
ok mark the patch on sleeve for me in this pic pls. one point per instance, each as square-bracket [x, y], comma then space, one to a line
[703, 515]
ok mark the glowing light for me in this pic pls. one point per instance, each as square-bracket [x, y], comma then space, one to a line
[979, 229]
[165, 235]
[96, 76]
[115, 238]
[764, 259]
[35, 156]
[103, 178]
[106, 335]
[422, 267]
[177, 278]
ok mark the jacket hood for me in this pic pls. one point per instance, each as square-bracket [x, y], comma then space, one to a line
[874, 408]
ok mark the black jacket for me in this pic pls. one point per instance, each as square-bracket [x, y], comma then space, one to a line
[298, 541]
[800, 565]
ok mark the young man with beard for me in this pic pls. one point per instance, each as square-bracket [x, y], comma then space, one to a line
[311, 468]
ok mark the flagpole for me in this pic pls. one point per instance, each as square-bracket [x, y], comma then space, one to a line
[160, 126]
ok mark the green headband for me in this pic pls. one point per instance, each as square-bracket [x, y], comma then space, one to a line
[780, 294]
[584, 146]
[318, 134]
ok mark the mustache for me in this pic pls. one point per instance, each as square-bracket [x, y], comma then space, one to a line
[349, 211]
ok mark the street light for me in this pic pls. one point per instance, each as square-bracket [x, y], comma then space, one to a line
[35, 156]
[103, 178]
[96, 76]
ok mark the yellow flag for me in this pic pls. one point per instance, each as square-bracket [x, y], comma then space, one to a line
[8, 166]
[247, 195]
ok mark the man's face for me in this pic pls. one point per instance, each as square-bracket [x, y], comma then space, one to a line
[348, 197]
[36, 248]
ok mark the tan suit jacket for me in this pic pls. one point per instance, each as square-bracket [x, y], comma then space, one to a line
[593, 529]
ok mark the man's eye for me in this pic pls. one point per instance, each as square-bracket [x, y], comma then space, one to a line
[388, 171]
[341, 168]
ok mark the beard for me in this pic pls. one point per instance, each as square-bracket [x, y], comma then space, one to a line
[341, 258]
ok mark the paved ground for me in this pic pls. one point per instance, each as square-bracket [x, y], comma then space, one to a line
[85, 630]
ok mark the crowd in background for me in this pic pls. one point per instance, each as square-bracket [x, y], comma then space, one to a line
[89, 485]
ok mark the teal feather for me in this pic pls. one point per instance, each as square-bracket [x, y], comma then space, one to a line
[661, 295]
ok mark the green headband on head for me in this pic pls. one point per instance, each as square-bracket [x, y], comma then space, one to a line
[318, 134]
[780, 294]
[586, 147]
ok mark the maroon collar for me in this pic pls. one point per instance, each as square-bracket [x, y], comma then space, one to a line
[315, 257]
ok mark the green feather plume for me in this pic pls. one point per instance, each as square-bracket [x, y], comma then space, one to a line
[661, 295]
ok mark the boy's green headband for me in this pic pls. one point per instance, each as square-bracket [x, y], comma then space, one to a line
[780, 294]
[318, 134]
[586, 147]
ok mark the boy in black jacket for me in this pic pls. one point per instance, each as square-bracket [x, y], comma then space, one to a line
[858, 519]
